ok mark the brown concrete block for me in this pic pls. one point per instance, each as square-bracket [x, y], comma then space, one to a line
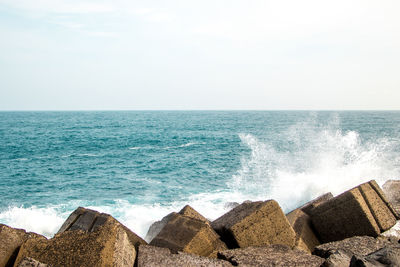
[182, 233]
[10, 241]
[255, 224]
[344, 216]
[106, 245]
[156, 227]
[305, 237]
[360, 211]
[309, 206]
[192, 213]
[90, 220]
[378, 205]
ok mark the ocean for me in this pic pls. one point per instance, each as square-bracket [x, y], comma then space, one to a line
[139, 166]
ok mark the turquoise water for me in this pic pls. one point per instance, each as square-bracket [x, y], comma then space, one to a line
[140, 165]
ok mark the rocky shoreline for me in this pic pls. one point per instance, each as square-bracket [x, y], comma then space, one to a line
[352, 229]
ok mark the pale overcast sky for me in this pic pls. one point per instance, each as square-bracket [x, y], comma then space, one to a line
[255, 54]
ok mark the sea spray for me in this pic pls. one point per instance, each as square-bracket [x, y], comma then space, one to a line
[322, 159]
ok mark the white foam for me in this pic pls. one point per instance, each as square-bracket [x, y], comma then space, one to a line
[184, 145]
[137, 217]
[322, 159]
[45, 221]
[135, 148]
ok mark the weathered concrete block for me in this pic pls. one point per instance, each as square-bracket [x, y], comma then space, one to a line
[29, 262]
[192, 213]
[379, 206]
[270, 256]
[255, 224]
[156, 227]
[392, 191]
[309, 206]
[106, 242]
[150, 256]
[10, 241]
[305, 237]
[357, 212]
[90, 220]
[189, 235]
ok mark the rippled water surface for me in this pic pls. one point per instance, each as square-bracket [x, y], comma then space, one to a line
[140, 165]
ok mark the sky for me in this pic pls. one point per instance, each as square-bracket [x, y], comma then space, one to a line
[199, 55]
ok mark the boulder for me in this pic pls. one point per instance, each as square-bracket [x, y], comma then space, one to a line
[156, 227]
[272, 255]
[11, 240]
[150, 256]
[29, 262]
[338, 258]
[305, 237]
[88, 238]
[339, 252]
[387, 256]
[258, 223]
[182, 233]
[360, 211]
[391, 188]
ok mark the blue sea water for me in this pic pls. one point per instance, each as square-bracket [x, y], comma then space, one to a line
[140, 165]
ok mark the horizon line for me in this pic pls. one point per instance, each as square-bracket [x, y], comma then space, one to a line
[115, 110]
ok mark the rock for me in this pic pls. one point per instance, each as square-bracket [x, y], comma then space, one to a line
[342, 251]
[258, 223]
[360, 211]
[90, 239]
[360, 245]
[182, 233]
[11, 240]
[391, 188]
[387, 256]
[338, 258]
[305, 237]
[273, 255]
[309, 206]
[150, 256]
[156, 227]
[29, 262]
[90, 220]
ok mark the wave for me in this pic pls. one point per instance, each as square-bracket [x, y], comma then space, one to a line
[42, 220]
[135, 148]
[167, 147]
[321, 159]
[137, 217]
[183, 145]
